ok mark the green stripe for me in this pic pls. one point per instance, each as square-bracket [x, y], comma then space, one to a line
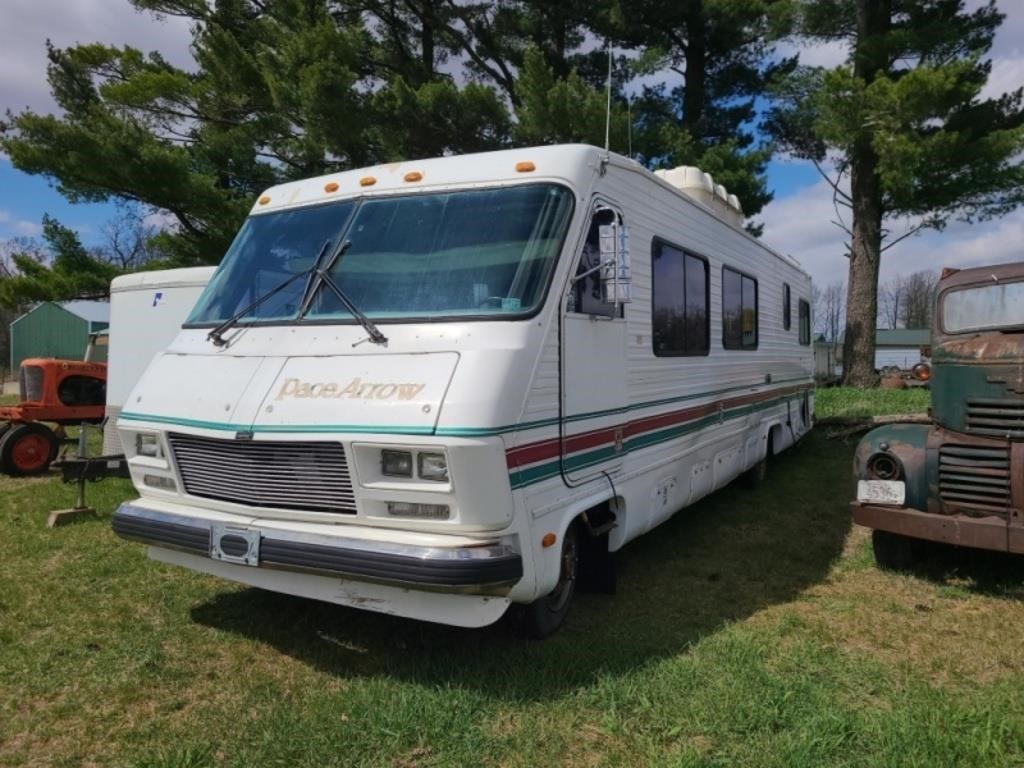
[440, 431]
[540, 472]
[276, 428]
[487, 431]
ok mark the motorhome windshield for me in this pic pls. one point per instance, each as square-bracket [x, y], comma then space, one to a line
[459, 254]
[984, 307]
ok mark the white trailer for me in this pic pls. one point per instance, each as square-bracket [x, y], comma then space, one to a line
[439, 388]
[146, 313]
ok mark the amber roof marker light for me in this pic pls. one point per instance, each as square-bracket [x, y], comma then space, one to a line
[367, 181]
[264, 200]
[525, 166]
[331, 186]
[414, 176]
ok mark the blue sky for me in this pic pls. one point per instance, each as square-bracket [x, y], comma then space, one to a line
[797, 222]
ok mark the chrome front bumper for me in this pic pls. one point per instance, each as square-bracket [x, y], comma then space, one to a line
[489, 569]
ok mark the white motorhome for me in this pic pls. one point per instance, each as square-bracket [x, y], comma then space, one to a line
[438, 388]
[146, 313]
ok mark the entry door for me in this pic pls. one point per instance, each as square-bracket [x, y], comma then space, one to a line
[593, 366]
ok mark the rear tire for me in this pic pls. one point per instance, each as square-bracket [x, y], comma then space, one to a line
[543, 617]
[756, 475]
[894, 552]
[27, 449]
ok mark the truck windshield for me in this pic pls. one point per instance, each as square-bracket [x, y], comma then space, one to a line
[458, 254]
[985, 307]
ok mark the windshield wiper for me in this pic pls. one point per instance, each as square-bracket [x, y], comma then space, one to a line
[368, 325]
[217, 334]
[322, 277]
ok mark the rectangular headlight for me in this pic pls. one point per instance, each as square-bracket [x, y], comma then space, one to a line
[420, 511]
[396, 463]
[147, 445]
[163, 483]
[433, 466]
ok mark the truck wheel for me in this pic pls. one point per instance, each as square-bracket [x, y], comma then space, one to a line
[27, 449]
[543, 617]
[894, 552]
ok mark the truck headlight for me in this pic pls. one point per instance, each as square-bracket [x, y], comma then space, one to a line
[148, 445]
[420, 511]
[433, 466]
[396, 463]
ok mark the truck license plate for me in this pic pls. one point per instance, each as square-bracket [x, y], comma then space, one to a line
[892, 492]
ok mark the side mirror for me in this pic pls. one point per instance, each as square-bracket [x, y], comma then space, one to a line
[616, 279]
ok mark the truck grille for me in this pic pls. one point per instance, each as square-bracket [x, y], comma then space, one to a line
[975, 479]
[1004, 418]
[304, 476]
[31, 383]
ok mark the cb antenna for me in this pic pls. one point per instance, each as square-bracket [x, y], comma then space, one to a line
[608, 106]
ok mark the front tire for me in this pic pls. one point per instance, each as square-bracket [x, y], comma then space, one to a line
[544, 617]
[894, 552]
[27, 449]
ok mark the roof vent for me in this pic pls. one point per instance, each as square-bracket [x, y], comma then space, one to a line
[694, 183]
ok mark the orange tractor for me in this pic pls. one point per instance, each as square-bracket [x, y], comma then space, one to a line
[59, 392]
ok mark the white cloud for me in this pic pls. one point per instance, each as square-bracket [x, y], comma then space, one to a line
[800, 225]
[1007, 75]
[830, 54]
[12, 226]
[27, 24]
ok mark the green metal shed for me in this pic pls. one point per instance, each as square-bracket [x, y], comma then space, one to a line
[61, 330]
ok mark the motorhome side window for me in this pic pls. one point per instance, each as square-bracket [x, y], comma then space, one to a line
[786, 319]
[805, 322]
[586, 297]
[739, 310]
[679, 307]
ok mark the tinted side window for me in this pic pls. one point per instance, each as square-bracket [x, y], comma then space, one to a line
[739, 310]
[786, 320]
[805, 322]
[680, 302]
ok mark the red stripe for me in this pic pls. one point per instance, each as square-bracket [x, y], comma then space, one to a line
[549, 448]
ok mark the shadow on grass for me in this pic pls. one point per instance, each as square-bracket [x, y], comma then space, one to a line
[997, 574]
[714, 563]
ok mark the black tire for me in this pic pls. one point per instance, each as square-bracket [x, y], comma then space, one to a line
[894, 552]
[543, 617]
[28, 449]
[756, 475]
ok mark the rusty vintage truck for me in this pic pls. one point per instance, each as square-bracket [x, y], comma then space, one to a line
[960, 479]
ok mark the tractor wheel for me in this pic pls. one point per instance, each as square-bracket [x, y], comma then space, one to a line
[27, 449]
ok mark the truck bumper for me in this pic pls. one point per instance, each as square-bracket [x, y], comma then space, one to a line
[960, 530]
[490, 569]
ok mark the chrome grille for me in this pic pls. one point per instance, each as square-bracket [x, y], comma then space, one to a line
[31, 383]
[1004, 418]
[305, 476]
[975, 479]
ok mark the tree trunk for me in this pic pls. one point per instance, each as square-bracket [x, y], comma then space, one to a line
[696, 65]
[865, 258]
[427, 21]
[873, 21]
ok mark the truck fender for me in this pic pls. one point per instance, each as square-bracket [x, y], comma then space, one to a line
[896, 452]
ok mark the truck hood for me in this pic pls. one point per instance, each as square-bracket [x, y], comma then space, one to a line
[398, 393]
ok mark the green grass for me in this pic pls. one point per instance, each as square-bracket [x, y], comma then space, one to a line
[753, 629]
[849, 402]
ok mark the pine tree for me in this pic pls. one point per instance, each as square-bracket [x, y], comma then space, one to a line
[903, 118]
